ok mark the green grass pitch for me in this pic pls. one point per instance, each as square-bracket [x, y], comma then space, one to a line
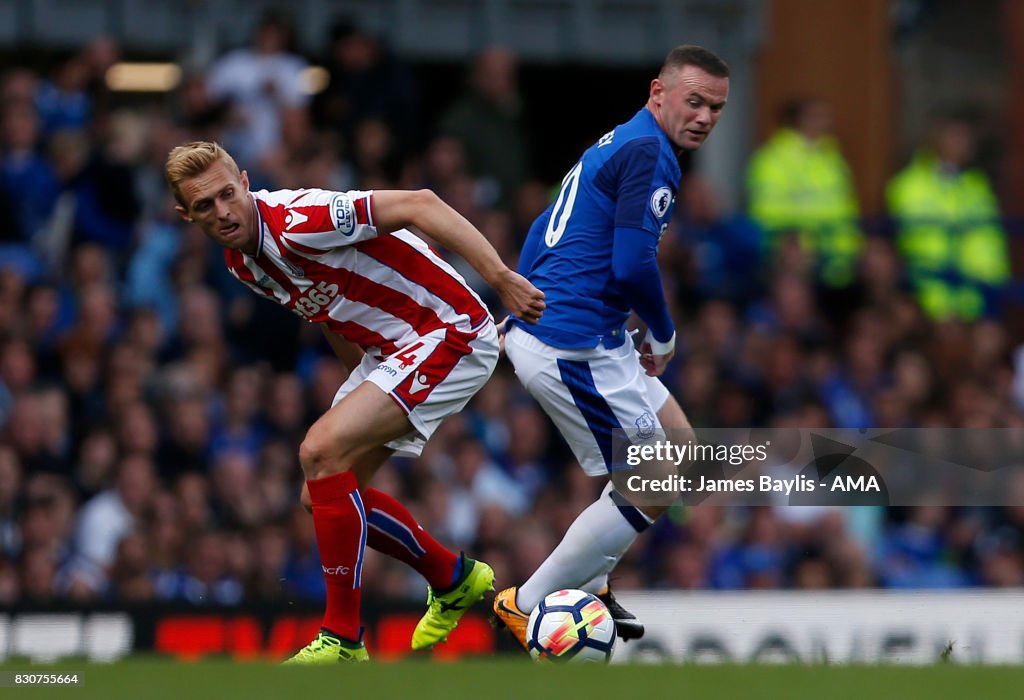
[155, 678]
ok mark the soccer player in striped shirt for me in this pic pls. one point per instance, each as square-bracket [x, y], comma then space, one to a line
[346, 261]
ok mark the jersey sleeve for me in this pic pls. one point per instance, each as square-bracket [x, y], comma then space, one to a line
[636, 273]
[644, 198]
[319, 220]
[643, 205]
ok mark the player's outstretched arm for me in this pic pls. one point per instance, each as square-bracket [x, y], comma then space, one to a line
[395, 209]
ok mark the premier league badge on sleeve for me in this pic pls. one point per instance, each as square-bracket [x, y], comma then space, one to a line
[660, 201]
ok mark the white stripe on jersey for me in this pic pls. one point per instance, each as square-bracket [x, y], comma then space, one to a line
[370, 317]
[274, 253]
[323, 241]
[421, 245]
[270, 283]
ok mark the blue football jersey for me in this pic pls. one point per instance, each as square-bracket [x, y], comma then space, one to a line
[628, 181]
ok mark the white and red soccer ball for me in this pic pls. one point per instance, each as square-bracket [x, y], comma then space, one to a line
[571, 625]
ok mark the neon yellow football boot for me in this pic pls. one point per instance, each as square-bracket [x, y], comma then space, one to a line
[444, 610]
[328, 649]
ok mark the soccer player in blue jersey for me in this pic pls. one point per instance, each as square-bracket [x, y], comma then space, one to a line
[593, 254]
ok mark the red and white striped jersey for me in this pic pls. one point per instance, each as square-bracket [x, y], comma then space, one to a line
[320, 255]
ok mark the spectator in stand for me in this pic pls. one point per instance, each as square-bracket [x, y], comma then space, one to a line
[848, 389]
[63, 101]
[799, 184]
[38, 430]
[131, 578]
[756, 560]
[716, 255]
[262, 83]
[366, 81]
[488, 121]
[28, 182]
[199, 112]
[271, 555]
[108, 517]
[10, 488]
[204, 579]
[915, 553]
[949, 232]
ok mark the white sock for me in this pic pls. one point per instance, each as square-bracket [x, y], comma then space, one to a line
[596, 585]
[592, 546]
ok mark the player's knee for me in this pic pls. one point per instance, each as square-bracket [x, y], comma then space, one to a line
[320, 455]
[311, 456]
[674, 422]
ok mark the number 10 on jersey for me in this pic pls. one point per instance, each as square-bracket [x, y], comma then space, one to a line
[562, 210]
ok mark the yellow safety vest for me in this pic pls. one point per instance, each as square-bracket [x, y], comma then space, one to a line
[802, 186]
[949, 235]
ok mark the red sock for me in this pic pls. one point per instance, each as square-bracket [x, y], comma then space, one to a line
[340, 524]
[393, 531]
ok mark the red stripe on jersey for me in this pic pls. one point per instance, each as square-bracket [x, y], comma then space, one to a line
[364, 210]
[297, 247]
[433, 370]
[362, 336]
[315, 218]
[355, 287]
[404, 259]
[279, 276]
[235, 261]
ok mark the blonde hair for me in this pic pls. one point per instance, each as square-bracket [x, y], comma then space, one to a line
[194, 159]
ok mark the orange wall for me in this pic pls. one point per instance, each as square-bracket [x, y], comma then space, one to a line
[845, 59]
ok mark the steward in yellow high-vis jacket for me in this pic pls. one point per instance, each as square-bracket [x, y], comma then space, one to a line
[948, 228]
[799, 183]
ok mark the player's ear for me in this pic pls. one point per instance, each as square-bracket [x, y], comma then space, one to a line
[182, 213]
[657, 88]
[245, 180]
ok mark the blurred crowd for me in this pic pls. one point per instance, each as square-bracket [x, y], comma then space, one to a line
[151, 408]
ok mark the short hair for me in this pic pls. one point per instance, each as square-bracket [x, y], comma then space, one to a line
[194, 159]
[690, 55]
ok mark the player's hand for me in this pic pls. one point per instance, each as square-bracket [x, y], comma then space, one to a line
[654, 365]
[502, 327]
[519, 296]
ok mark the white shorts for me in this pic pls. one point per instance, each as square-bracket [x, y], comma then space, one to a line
[430, 379]
[589, 393]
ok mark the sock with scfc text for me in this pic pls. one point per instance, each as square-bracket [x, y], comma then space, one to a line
[340, 523]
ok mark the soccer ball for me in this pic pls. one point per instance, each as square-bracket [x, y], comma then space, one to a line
[571, 625]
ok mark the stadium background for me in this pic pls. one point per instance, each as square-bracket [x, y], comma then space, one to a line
[151, 408]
